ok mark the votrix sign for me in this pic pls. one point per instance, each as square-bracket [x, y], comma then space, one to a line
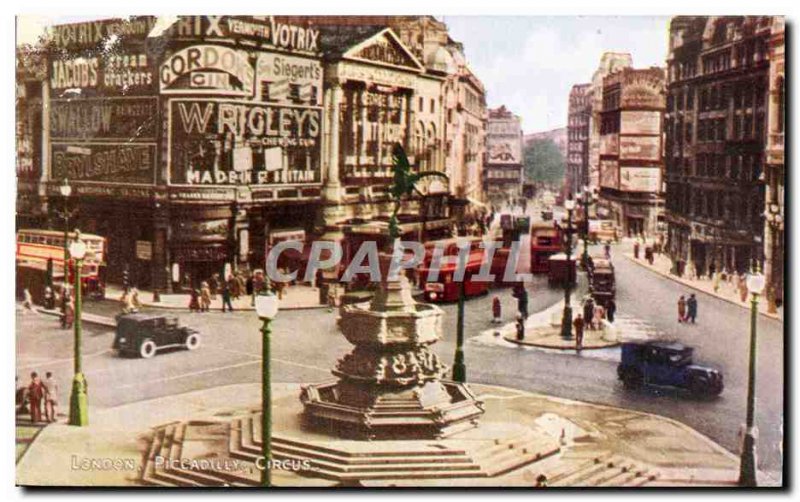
[229, 142]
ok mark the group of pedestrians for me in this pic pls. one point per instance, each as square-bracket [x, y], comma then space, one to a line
[38, 397]
[592, 318]
[687, 309]
[232, 288]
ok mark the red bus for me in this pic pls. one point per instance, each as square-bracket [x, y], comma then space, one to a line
[545, 242]
[35, 248]
[445, 289]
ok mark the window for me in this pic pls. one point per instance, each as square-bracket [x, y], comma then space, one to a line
[433, 105]
[421, 104]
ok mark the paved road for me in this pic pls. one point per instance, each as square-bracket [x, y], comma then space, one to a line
[306, 345]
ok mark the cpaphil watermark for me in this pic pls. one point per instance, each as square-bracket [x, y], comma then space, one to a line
[405, 255]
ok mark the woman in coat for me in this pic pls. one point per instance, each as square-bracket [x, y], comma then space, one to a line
[205, 297]
[681, 309]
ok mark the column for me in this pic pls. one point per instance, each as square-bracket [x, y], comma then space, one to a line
[362, 146]
[333, 183]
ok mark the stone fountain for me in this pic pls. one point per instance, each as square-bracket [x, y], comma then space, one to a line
[391, 386]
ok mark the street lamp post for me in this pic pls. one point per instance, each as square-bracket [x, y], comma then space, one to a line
[267, 309]
[66, 191]
[78, 403]
[587, 198]
[775, 223]
[747, 463]
[459, 367]
[566, 320]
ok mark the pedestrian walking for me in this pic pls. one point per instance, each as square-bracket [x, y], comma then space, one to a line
[607, 249]
[742, 288]
[213, 285]
[716, 281]
[520, 328]
[194, 300]
[497, 310]
[636, 250]
[27, 303]
[205, 297]
[35, 396]
[648, 254]
[578, 324]
[588, 312]
[136, 303]
[691, 305]
[50, 397]
[521, 294]
[69, 314]
[20, 397]
[611, 310]
[681, 309]
[226, 296]
[65, 301]
[599, 315]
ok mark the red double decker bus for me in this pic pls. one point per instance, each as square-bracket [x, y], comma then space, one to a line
[444, 288]
[36, 248]
[545, 242]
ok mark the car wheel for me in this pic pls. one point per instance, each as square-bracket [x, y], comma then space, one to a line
[632, 379]
[147, 349]
[700, 387]
[192, 341]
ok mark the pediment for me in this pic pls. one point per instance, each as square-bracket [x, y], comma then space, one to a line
[384, 48]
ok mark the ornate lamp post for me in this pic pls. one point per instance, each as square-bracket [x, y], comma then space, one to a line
[747, 464]
[566, 320]
[78, 402]
[459, 366]
[267, 309]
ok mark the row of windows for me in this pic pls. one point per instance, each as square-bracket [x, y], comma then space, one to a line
[744, 54]
[740, 167]
[713, 204]
[746, 94]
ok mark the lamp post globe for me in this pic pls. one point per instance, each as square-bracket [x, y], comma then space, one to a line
[267, 309]
[65, 188]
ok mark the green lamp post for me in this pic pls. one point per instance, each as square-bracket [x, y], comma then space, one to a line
[78, 403]
[267, 309]
[747, 464]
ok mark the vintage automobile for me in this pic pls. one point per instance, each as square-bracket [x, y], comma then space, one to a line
[669, 364]
[603, 231]
[560, 270]
[143, 335]
[602, 285]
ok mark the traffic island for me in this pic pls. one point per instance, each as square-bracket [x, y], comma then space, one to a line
[212, 438]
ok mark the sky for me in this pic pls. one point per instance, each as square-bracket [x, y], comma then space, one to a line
[529, 63]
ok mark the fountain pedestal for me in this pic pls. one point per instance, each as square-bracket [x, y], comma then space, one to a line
[391, 384]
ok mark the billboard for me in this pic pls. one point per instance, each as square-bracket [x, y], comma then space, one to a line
[231, 142]
[640, 147]
[105, 162]
[609, 144]
[97, 119]
[119, 72]
[502, 150]
[640, 179]
[609, 174]
[640, 122]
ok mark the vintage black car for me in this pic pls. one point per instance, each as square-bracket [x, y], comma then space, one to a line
[665, 363]
[142, 335]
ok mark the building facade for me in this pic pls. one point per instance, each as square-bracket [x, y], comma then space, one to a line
[774, 171]
[609, 63]
[631, 146]
[195, 144]
[503, 170]
[578, 120]
[716, 135]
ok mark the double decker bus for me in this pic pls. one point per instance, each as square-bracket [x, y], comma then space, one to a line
[38, 248]
[546, 240]
[444, 288]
